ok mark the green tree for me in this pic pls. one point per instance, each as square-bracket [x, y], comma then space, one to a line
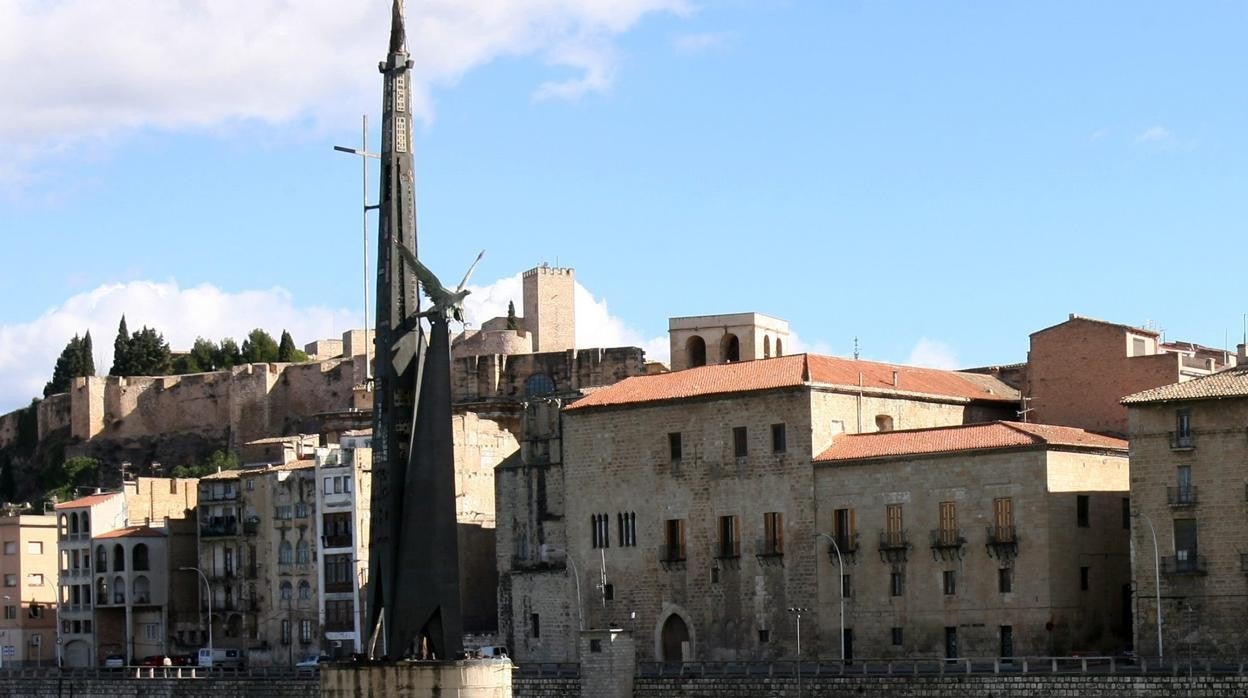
[75, 361]
[76, 472]
[286, 347]
[87, 361]
[219, 460]
[121, 351]
[513, 323]
[148, 354]
[228, 354]
[259, 347]
[202, 357]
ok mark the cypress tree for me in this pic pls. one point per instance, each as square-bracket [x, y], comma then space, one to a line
[86, 365]
[121, 351]
[286, 348]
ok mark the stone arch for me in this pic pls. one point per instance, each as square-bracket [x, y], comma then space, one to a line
[142, 589]
[674, 629]
[101, 559]
[73, 524]
[695, 351]
[729, 349]
[779, 347]
[139, 558]
[883, 422]
[766, 346]
[77, 654]
[119, 590]
[119, 558]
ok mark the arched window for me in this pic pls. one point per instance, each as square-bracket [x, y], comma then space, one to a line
[538, 384]
[883, 422]
[73, 524]
[101, 559]
[286, 591]
[139, 555]
[119, 558]
[284, 553]
[305, 591]
[64, 527]
[119, 590]
[101, 592]
[142, 590]
[695, 350]
[779, 347]
[730, 348]
[85, 526]
[766, 346]
[301, 553]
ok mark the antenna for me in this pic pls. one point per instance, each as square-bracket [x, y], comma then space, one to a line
[364, 156]
[855, 348]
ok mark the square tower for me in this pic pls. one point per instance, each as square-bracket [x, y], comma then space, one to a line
[549, 308]
[719, 339]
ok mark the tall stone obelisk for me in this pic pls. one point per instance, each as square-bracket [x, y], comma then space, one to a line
[413, 585]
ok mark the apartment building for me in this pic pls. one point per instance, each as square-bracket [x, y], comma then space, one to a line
[342, 502]
[28, 571]
[1189, 490]
[78, 522]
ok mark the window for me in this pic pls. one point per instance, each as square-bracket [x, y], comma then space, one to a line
[950, 582]
[285, 632]
[10, 580]
[283, 512]
[628, 528]
[34, 547]
[600, 531]
[1185, 544]
[251, 484]
[34, 579]
[336, 530]
[608, 592]
[1083, 579]
[893, 527]
[10, 612]
[140, 557]
[740, 445]
[843, 529]
[729, 537]
[305, 590]
[538, 384]
[897, 637]
[10, 547]
[1126, 512]
[674, 540]
[301, 510]
[1081, 510]
[338, 615]
[305, 631]
[883, 422]
[337, 573]
[778, 444]
[695, 350]
[1003, 518]
[773, 533]
[151, 631]
[285, 554]
[1185, 493]
[595, 645]
[1183, 429]
[847, 586]
[764, 635]
[35, 611]
[535, 625]
[302, 555]
[674, 446]
[286, 591]
[1005, 580]
[1138, 346]
[947, 534]
[896, 583]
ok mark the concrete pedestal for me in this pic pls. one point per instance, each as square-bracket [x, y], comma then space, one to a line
[474, 678]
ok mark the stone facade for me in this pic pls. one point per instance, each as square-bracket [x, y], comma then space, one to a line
[715, 339]
[550, 307]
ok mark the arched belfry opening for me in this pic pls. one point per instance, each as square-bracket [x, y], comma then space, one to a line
[779, 347]
[730, 349]
[695, 349]
[766, 346]
[675, 639]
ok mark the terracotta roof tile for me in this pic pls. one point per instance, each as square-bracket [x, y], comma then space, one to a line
[969, 437]
[88, 501]
[794, 371]
[134, 532]
[1232, 382]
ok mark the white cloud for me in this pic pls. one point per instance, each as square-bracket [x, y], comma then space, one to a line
[79, 71]
[28, 351]
[932, 354]
[698, 42]
[595, 325]
[1155, 134]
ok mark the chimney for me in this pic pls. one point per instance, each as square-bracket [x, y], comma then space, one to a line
[894, 378]
[1241, 354]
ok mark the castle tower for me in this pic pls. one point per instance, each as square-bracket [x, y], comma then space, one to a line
[549, 308]
[703, 340]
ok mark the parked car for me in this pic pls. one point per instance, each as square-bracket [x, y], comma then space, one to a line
[114, 661]
[312, 661]
[156, 660]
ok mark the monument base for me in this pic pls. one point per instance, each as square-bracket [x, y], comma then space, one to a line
[470, 678]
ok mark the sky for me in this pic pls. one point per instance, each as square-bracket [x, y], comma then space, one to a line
[937, 180]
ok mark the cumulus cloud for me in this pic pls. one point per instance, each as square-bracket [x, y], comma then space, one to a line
[698, 42]
[932, 354]
[82, 70]
[1155, 134]
[28, 350]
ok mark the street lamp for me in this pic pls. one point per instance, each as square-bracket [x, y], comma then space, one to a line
[208, 588]
[1157, 573]
[798, 611]
[362, 151]
[840, 566]
[576, 575]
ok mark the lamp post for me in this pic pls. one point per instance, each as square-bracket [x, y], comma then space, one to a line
[798, 611]
[208, 588]
[1157, 580]
[576, 576]
[840, 566]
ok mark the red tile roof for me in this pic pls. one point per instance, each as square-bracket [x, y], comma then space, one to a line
[794, 371]
[968, 437]
[134, 532]
[1231, 383]
[88, 501]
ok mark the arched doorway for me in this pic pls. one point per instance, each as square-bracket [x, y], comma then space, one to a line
[77, 653]
[675, 638]
[730, 349]
[695, 350]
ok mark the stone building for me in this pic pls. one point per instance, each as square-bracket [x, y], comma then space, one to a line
[1078, 371]
[719, 339]
[548, 324]
[997, 539]
[612, 517]
[1188, 487]
[28, 571]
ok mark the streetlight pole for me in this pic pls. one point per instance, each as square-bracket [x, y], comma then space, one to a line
[576, 576]
[1157, 579]
[208, 588]
[798, 611]
[840, 566]
[362, 151]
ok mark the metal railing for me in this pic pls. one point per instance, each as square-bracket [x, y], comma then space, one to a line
[566, 670]
[726, 549]
[894, 540]
[936, 666]
[1181, 440]
[947, 538]
[769, 547]
[671, 552]
[1182, 496]
[1192, 564]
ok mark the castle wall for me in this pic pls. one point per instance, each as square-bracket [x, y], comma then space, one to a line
[54, 413]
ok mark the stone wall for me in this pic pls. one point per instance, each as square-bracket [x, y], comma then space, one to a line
[979, 686]
[16, 686]
[545, 687]
[495, 376]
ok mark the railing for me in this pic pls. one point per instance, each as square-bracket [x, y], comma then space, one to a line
[769, 547]
[671, 552]
[159, 672]
[339, 541]
[1192, 564]
[1182, 496]
[726, 549]
[947, 538]
[526, 562]
[894, 540]
[218, 526]
[567, 670]
[937, 666]
[1001, 534]
[1181, 440]
[251, 527]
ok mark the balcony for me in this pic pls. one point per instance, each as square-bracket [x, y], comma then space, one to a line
[338, 541]
[527, 563]
[726, 550]
[846, 543]
[1002, 542]
[338, 587]
[894, 546]
[1181, 441]
[948, 544]
[769, 551]
[251, 526]
[216, 526]
[672, 555]
[1187, 565]
[1182, 496]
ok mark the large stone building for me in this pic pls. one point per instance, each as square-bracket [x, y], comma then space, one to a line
[548, 323]
[28, 571]
[629, 484]
[998, 539]
[1188, 486]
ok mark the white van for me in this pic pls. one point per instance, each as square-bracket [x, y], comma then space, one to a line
[217, 657]
[493, 652]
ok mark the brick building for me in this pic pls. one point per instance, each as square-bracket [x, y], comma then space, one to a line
[1188, 485]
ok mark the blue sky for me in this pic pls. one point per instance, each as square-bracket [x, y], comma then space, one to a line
[936, 179]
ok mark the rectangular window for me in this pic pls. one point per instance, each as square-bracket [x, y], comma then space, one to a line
[674, 540]
[10, 580]
[893, 526]
[1083, 579]
[600, 530]
[773, 533]
[10, 547]
[151, 631]
[729, 537]
[740, 444]
[1184, 493]
[1126, 512]
[338, 615]
[10, 612]
[1081, 510]
[595, 645]
[1183, 428]
[950, 580]
[283, 512]
[1185, 547]
[778, 442]
[847, 586]
[305, 631]
[1003, 518]
[897, 637]
[34, 547]
[1005, 580]
[337, 573]
[896, 583]
[843, 529]
[608, 592]
[535, 625]
[764, 636]
[285, 632]
[34, 579]
[627, 526]
[34, 611]
[674, 445]
[947, 534]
